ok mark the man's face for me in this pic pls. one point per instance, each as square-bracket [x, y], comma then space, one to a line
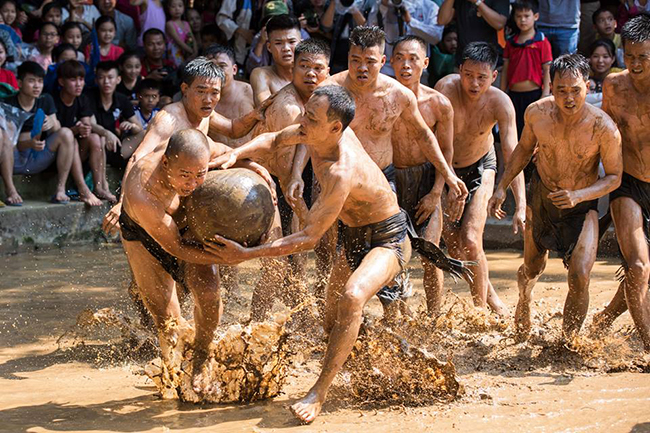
[450, 42]
[223, 61]
[201, 96]
[107, 81]
[364, 64]
[73, 37]
[282, 44]
[409, 59]
[476, 78]
[309, 71]
[637, 60]
[48, 37]
[106, 33]
[31, 86]
[148, 99]
[606, 24]
[186, 173]
[106, 7]
[72, 86]
[154, 47]
[314, 124]
[525, 19]
[570, 92]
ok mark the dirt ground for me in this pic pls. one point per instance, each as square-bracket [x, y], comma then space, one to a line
[533, 387]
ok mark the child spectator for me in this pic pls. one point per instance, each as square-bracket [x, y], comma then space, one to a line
[72, 34]
[130, 67]
[148, 97]
[48, 38]
[196, 24]
[73, 110]
[152, 16]
[9, 12]
[52, 13]
[39, 146]
[63, 53]
[105, 27]
[113, 115]
[82, 12]
[526, 61]
[181, 45]
[605, 25]
[211, 34]
[6, 76]
[126, 34]
[601, 60]
[443, 56]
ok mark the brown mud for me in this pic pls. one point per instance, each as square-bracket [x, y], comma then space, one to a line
[472, 374]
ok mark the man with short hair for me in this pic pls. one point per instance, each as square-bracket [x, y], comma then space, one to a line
[419, 185]
[283, 35]
[625, 98]
[125, 34]
[478, 107]
[569, 138]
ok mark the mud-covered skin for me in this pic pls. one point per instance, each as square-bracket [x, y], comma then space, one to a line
[267, 81]
[235, 102]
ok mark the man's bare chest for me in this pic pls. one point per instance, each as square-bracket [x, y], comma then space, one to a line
[375, 116]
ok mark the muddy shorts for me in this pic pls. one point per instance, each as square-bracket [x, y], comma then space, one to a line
[389, 172]
[389, 233]
[132, 231]
[639, 191]
[413, 183]
[555, 229]
[472, 176]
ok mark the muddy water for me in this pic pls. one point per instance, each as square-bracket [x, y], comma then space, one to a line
[97, 389]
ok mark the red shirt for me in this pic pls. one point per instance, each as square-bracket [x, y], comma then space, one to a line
[147, 68]
[526, 60]
[9, 78]
[114, 53]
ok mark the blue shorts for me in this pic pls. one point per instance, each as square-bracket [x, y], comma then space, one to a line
[32, 161]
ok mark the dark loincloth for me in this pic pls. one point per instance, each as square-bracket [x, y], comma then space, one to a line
[413, 183]
[472, 177]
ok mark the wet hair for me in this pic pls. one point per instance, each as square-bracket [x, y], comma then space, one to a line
[312, 46]
[572, 64]
[152, 32]
[48, 7]
[605, 43]
[599, 11]
[147, 84]
[636, 30]
[449, 29]
[126, 56]
[367, 37]
[60, 49]
[481, 52]
[103, 20]
[411, 38]
[203, 68]
[45, 24]
[215, 49]
[30, 67]
[107, 66]
[525, 5]
[190, 142]
[282, 22]
[341, 102]
[70, 69]
[69, 25]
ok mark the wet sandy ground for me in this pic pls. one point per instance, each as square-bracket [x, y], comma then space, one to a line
[44, 389]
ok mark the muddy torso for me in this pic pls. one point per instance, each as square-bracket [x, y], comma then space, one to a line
[238, 103]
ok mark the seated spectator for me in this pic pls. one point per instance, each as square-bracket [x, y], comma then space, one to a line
[9, 13]
[73, 111]
[180, 40]
[196, 24]
[108, 52]
[605, 25]
[79, 11]
[154, 64]
[125, 35]
[443, 56]
[63, 53]
[602, 59]
[527, 60]
[6, 76]
[283, 36]
[113, 116]
[130, 67]
[152, 15]
[148, 92]
[234, 20]
[39, 145]
[48, 38]
[72, 34]
[52, 13]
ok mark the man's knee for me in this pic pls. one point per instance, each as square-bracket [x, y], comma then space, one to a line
[579, 276]
[66, 136]
[471, 244]
[639, 270]
[95, 143]
[534, 270]
[352, 300]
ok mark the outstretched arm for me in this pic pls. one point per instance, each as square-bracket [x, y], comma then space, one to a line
[236, 128]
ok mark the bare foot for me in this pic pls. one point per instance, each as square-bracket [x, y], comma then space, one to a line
[90, 199]
[522, 321]
[61, 197]
[307, 409]
[201, 381]
[13, 198]
[105, 195]
[601, 323]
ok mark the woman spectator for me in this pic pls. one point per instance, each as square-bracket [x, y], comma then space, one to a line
[602, 58]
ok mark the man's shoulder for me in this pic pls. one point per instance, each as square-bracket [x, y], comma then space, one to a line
[243, 87]
[618, 80]
[543, 108]
[262, 71]
[600, 118]
[448, 84]
[336, 79]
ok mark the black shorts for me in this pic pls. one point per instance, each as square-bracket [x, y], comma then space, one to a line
[639, 191]
[472, 176]
[555, 229]
[413, 183]
[286, 212]
[389, 172]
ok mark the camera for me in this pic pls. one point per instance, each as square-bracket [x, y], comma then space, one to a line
[312, 19]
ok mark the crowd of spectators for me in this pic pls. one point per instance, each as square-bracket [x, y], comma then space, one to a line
[93, 74]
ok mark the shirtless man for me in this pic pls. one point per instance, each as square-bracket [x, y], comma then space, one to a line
[572, 138]
[201, 89]
[283, 35]
[382, 101]
[478, 106]
[355, 191]
[158, 254]
[419, 186]
[625, 98]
